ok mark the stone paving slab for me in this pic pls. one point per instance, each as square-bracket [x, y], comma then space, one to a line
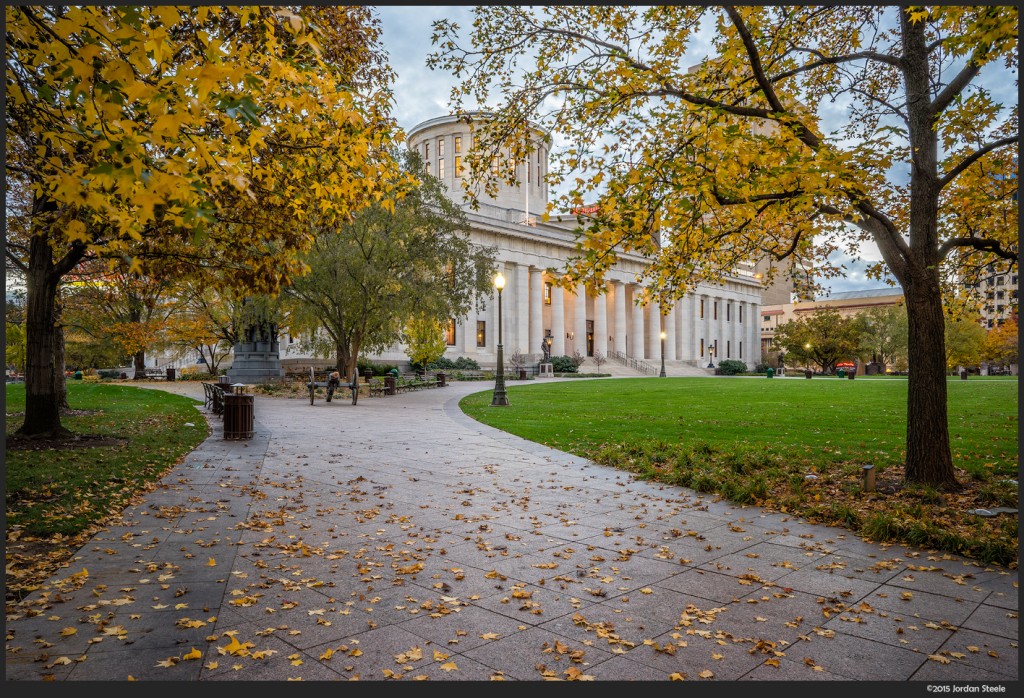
[400, 540]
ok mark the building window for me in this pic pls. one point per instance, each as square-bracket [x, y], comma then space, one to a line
[440, 168]
[458, 144]
[741, 350]
[481, 333]
[702, 348]
[728, 314]
[767, 318]
[741, 315]
[728, 348]
[426, 151]
[494, 165]
[702, 317]
[1000, 294]
[449, 333]
[714, 311]
[440, 147]
[547, 293]
[538, 166]
[458, 165]
[714, 348]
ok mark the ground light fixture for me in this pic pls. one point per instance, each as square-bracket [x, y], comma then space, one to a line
[662, 374]
[500, 399]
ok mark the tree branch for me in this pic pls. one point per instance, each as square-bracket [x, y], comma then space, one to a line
[980, 244]
[974, 157]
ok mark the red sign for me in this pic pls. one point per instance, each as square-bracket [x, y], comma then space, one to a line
[584, 210]
[845, 364]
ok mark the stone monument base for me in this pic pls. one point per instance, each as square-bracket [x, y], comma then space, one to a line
[546, 371]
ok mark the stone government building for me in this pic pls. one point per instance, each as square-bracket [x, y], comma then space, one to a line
[711, 324]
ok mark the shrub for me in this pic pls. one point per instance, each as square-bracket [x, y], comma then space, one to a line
[463, 363]
[564, 364]
[732, 367]
[761, 368]
[365, 365]
[108, 373]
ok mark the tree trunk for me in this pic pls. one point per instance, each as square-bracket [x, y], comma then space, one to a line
[42, 397]
[139, 361]
[929, 460]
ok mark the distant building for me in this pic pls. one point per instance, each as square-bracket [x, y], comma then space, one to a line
[996, 290]
[714, 322]
[846, 303]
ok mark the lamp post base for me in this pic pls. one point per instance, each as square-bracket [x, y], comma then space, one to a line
[500, 399]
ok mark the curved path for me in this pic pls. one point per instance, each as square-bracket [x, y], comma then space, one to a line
[400, 539]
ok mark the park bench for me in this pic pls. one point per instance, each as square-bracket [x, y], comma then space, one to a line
[214, 398]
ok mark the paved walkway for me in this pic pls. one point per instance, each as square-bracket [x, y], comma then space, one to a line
[401, 540]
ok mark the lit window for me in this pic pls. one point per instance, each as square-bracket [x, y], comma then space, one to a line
[494, 165]
[702, 317]
[702, 347]
[481, 333]
[547, 294]
[458, 144]
[458, 165]
[449, 333]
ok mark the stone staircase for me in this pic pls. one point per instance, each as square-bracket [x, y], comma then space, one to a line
[672, 368]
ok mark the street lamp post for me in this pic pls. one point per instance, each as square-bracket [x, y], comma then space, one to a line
[711, 355]
[662, 374]
[500, 399]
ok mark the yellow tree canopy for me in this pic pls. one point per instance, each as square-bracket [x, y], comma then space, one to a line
[788, 136]
[191, 136]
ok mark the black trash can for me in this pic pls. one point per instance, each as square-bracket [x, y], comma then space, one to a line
[170, 374]
[963, 375]
[239, 415]
[808, 373]
[390, 385]
[441, 379]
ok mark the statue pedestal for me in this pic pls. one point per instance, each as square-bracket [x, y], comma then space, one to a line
[546, 370]
[256, 362]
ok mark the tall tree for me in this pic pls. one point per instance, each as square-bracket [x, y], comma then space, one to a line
[407, 258]
[702, 161]
[823, 338]
[180, 140]
[964, 336]
[885, 334]
[129, 308]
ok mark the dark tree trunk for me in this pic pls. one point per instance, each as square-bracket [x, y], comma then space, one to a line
[929, 460]
[139, 361]
[42, 395]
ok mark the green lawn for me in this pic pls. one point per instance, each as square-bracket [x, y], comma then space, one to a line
[823, 419]
[64, 491]
[795, 446]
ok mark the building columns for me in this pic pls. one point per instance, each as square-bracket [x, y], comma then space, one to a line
[670, 334]
[557, 321]
[600, 322]
[637, 336]
[579, 325]
[536, 311]
[654, 331]
[521, 340]
[619, 331]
